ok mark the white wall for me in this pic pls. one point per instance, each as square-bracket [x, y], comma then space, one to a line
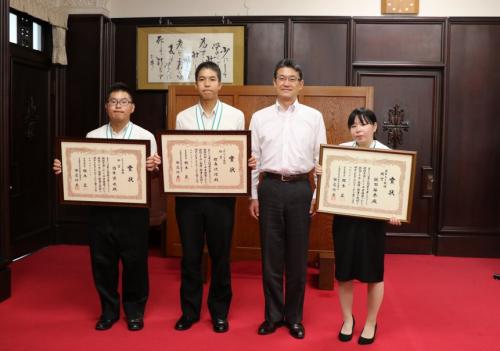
[171, 8]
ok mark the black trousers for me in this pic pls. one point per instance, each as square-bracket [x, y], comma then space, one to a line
[209, 218]
[120, 233]
[284, 233]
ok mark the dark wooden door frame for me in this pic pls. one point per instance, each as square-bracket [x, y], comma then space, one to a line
[5, 280]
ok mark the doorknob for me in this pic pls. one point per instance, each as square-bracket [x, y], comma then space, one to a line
[427, 182]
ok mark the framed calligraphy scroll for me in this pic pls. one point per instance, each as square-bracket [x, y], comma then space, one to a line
[168, 55]
[205, 163]
[370, 183]
[104, 172]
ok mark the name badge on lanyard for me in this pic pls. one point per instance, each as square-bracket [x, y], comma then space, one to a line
[217, 118]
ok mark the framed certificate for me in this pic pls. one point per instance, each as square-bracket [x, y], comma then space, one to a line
[370, 183]
[201, 163]
[104, 172]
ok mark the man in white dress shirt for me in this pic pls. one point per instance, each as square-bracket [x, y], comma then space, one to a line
[206, 218]
[286, 138]
[120, 233]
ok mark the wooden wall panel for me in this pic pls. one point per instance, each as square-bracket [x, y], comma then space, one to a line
[84, 85]
[336, 111]
[149, 105]
[266, 44]
[249, 104]
[470, 206]
[86, 79]
[322, 51]
[384, 41]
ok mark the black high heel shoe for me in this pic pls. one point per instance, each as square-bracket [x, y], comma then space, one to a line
[367, 341]
[346, 337]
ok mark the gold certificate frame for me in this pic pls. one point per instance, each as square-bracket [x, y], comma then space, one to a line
[104, 172]
[167, 55]
[371, 183]
[205, 163]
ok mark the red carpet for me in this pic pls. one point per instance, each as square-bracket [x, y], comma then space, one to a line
[431, 303]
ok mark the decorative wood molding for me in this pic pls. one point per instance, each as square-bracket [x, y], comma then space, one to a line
[31, 119]
[468, 230]
[409, 243]
[471, 245]
[395, 126]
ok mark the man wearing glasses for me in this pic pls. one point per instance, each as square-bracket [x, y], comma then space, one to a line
[120, 233]
[286, 138]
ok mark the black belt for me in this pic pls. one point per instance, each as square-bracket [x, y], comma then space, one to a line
[287, 178]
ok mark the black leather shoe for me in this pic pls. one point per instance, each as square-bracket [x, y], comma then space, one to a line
[184, 323]
[220, 325]
[367, 341]
[297, 330]
[105, 324]
[346, 337]
[135, 324]
[268, 327]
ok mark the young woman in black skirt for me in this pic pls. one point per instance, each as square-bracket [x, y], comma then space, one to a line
[359, 244]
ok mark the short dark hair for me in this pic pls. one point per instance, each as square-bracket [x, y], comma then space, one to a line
[208, 65]
[287, 62]
[119, 86]
[364, 115]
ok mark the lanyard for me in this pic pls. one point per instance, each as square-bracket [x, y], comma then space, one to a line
[126, 134]
[372, 146]
[217, 118]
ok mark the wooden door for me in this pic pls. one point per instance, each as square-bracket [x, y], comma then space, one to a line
[31, 191]
[416, 95]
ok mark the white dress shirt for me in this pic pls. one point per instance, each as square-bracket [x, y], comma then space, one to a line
[230, 118]
[286, 142]
[130, 131]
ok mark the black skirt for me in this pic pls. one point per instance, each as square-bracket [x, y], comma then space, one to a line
[359, 245]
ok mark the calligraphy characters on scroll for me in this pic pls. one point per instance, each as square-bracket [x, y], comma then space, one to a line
[173, 57]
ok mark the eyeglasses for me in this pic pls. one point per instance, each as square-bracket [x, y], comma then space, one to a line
[291, 79]
[122, 102]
